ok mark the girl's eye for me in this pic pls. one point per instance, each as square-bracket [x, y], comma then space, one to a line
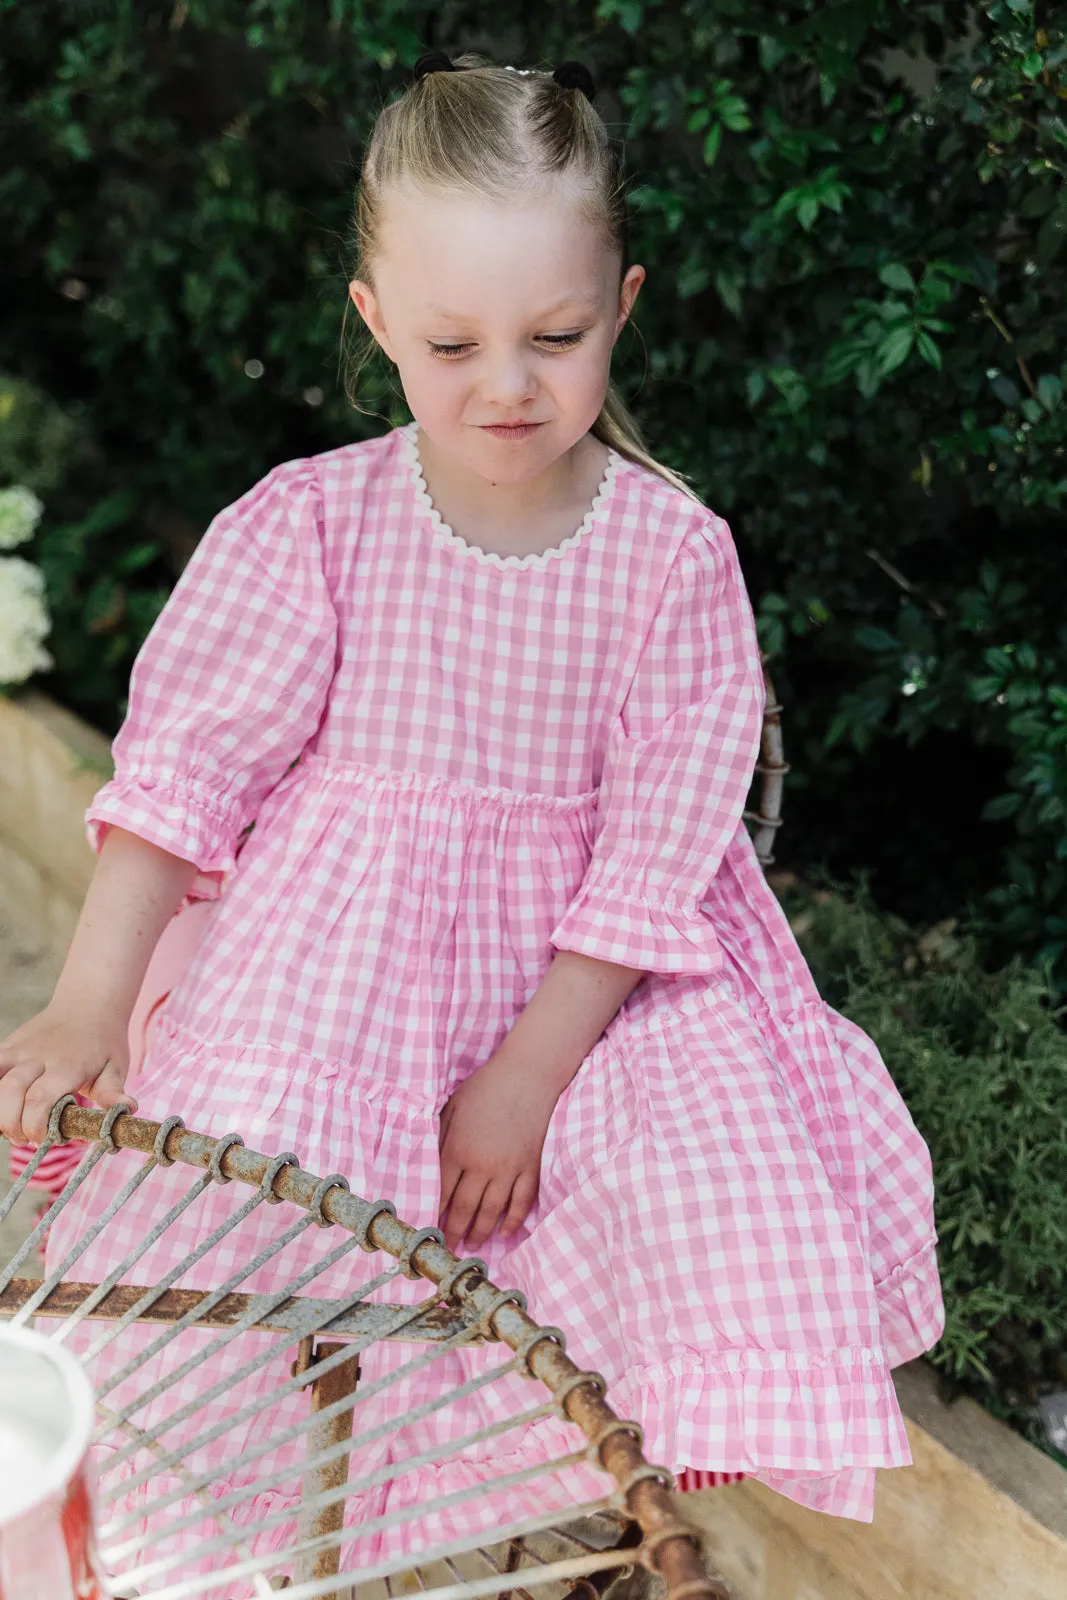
[555, 341]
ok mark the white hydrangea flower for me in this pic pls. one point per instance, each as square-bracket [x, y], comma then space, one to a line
[24, 621]
[20, 512]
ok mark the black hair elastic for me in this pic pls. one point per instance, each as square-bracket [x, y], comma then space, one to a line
[433, 61]
[573, 75]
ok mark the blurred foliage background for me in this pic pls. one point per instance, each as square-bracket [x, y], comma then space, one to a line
[854, 219]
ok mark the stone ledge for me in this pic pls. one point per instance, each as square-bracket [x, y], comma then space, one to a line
[51, 765]
[1007, 1461]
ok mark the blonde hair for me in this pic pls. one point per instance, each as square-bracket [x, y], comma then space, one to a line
[493, 131]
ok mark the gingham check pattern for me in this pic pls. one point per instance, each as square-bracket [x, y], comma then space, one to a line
[495, 758]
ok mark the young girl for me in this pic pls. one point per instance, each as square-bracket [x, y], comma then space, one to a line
[498, 946]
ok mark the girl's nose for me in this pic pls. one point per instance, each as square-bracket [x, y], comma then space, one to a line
[509, 380]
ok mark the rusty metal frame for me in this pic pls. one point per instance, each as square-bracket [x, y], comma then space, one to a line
[772, 768]
[670, 1546]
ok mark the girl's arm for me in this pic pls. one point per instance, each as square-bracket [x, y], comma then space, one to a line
[494, 1126]
[566, 1015]
[78, 1042]
[227, 689]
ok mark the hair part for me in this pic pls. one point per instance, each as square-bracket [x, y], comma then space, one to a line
[492, 132]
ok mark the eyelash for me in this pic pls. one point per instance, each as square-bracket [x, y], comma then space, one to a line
[557, 341]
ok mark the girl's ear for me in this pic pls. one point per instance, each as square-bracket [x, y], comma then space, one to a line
[628, 292]
[366, 303]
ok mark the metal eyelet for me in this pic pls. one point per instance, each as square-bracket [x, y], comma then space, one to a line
[448, 1284]
[531, 1341]
[279, 1164]
[336, 1180]
[159, 1144]
[222, 1147]
[503, 1297]
[418, 1238]
[374, 1208]
[52, 1132]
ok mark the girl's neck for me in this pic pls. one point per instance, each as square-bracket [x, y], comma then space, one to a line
[517, 519]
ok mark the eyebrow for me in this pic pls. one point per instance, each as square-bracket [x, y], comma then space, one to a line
[578, 302]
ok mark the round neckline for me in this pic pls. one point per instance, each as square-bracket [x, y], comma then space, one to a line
[537, 560]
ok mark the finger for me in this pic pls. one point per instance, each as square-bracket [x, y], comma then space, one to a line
[462, 1209]
[37, 1103]
[110, 1088]
[492, 1204]
[446, 1118]
[523, 1195]
[451, 1173]
[13, 1088]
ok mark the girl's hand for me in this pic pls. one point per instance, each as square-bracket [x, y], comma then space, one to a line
[492, 1132]
[59, 1052]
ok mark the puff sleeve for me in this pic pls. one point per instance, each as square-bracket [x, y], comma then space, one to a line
[677, 770]
[231, 682]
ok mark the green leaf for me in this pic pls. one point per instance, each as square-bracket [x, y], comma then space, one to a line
[137, 557]
[693, 277]
[871, 638]
[712, 144]
[1002, 806]
[627, 13]
[807, 211]
[734, 114]
[1006, 390]
[840, 724]
[1049, 391]
[728, 281]
[1031, 64]
[895, 349]
[897, 277]
[868, 377]
[790, 386]
[773, 50]
[841, 359]
[928, 349]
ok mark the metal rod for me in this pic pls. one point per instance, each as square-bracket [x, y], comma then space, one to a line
[431, 1327]
[341, 1381]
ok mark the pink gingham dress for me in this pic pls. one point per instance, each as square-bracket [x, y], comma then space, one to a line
[456, 764]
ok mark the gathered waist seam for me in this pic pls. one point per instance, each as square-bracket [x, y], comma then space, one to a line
[176, 1038]
[327, 769]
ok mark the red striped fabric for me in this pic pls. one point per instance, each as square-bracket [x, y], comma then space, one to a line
[691, 1478]
[54, 1170]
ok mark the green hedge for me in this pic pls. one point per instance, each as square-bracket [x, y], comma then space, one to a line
[982, 1063]
[853, 337]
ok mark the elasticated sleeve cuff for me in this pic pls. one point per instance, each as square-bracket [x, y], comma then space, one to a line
[650, 932]
[178, 815]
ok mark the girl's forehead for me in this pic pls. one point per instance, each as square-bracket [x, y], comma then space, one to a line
[439, 249]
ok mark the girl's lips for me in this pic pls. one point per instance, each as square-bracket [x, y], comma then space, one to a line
[519, 430]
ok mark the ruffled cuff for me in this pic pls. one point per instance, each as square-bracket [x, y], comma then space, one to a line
[176, 814]
[910, 1307]
[665, 933]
